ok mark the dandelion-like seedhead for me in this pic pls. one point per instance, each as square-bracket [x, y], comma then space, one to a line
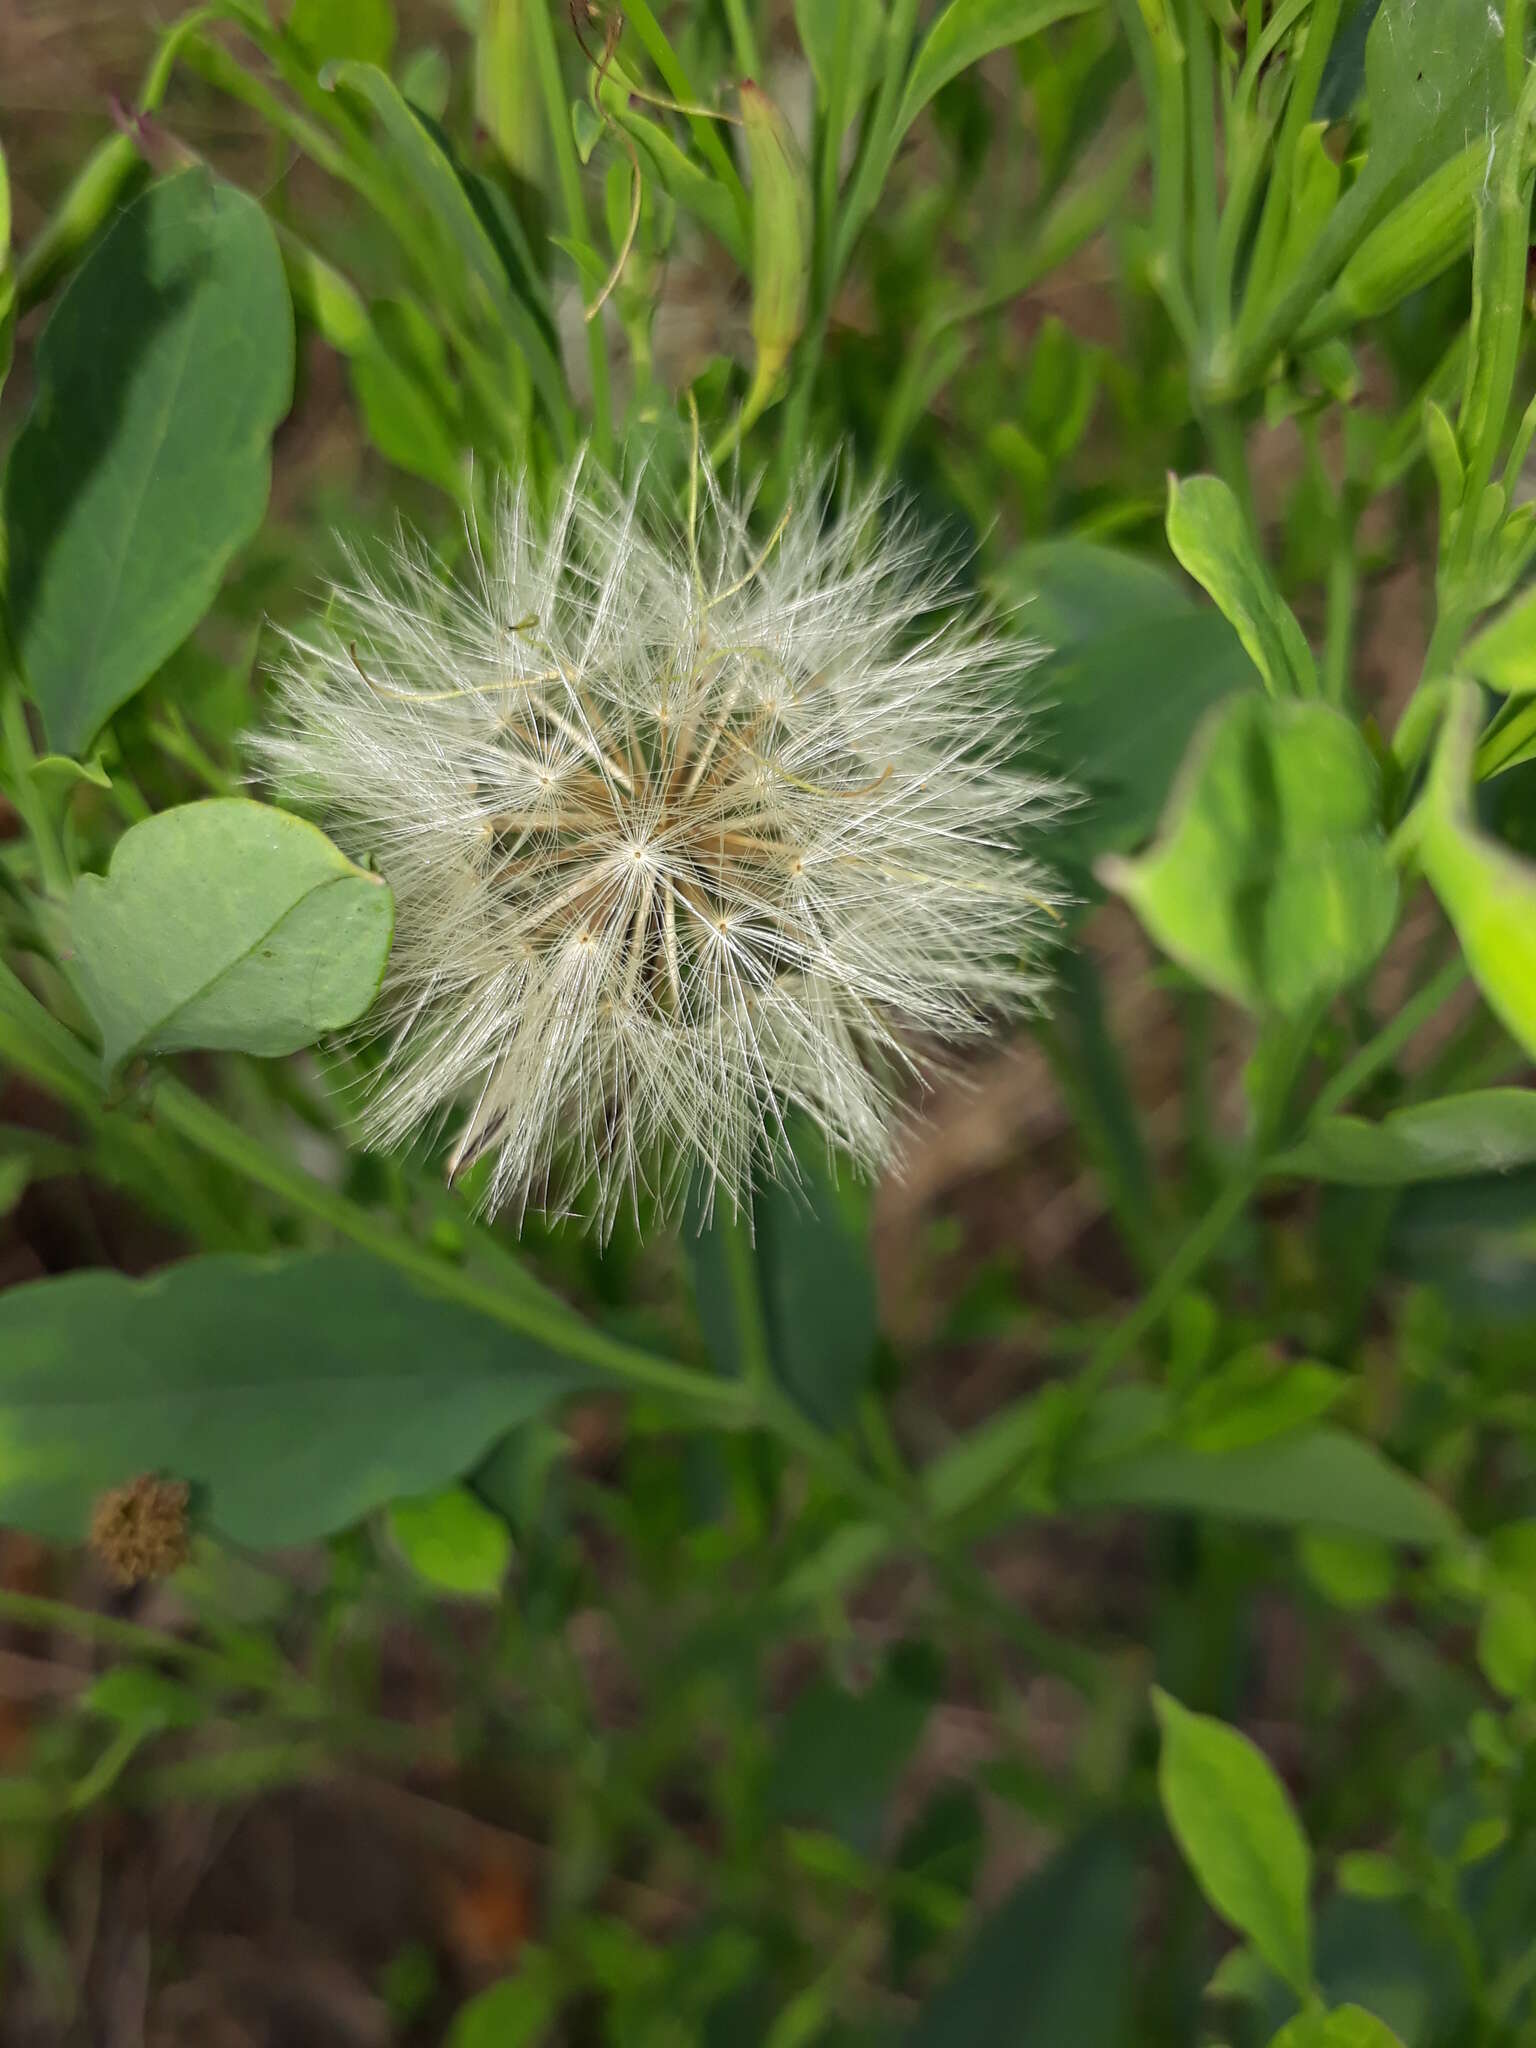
[686, 828]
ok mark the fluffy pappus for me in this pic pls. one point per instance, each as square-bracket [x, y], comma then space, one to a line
[688, 827]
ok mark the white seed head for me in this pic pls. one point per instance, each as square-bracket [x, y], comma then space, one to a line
[687, 829]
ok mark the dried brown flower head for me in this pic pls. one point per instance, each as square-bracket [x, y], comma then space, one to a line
[139, 1531]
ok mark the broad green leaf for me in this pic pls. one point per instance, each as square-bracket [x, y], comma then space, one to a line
[144, 466]
[508, 101]
[967, 31]
[1318, 1477]
[294, 1394]
[227, 924]
[1504, 654]
[1489, 1130]
[1210, 537]
[1348, 2026]
[1487, 892]
[453, 1541]
[1238, 1830]
[1132, 666]
[1269, 879]
[1042, 1972]
[328, 29]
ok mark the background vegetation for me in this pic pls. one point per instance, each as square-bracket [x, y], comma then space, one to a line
[1084, 1590]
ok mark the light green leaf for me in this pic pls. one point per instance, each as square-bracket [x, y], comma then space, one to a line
[1255, 1397]
[1348, 2026]
[141, 1698]
[1368, 1874]
[327, 29]
[1488, 1130]
[1504, 654]
[1487, 891]
[1210, 538]
[969, 30]
[295, 1395]
[1506, 1640]
[453, 1541]
[516, 2013]
[1269, 879]
[1238, 1830]
[1320, 1477]
[227, 924]
[63, 773]
[143, 467]
[1353, 1572]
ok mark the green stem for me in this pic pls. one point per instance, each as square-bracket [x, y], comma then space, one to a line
[1389, 1041]
[557, 112]
[743, 38]
[681, 87]
[31, 807]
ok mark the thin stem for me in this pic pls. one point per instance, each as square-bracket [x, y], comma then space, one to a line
[1389, 1041]
[743, 38]
[30, 805]
[557, 111]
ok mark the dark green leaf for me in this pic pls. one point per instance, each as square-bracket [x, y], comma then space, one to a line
[1047, 1968]
[294, 1394]
[1238, 1830]
[1487, 1131]
[839, 1753]
[1133, 667]
[1269, 880]
[818, 1292]
[1314, 1477]
[144, 464]
[231, 924]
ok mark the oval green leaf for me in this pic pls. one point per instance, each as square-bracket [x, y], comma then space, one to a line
[144, 465]
[1347, 2026]
[454, 1542]
[1269, 880]
[295, 1395]
[227, 924]
[1238, 1830]
[1487, 891]
[1489, 1130]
